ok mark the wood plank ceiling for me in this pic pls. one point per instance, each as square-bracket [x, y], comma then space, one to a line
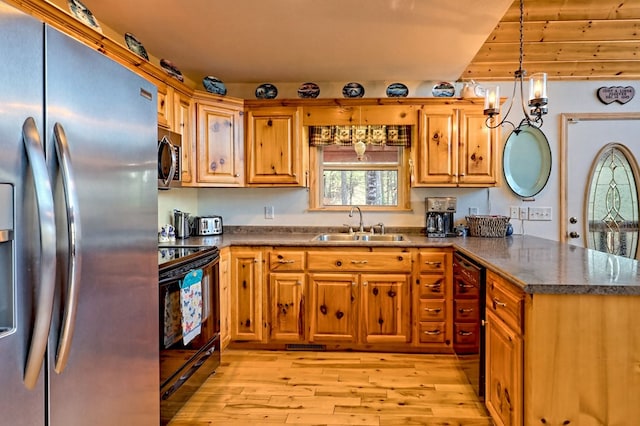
[567, 39]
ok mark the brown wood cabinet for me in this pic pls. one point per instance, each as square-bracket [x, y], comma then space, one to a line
[246, 294]
[275, 153]
[360, 296]
[225, 297]
[385, 310]
[504, 351]
[219, 141]
[432, 300]
[287, 296]
[183, 113]
[455, 148]
[333, 307]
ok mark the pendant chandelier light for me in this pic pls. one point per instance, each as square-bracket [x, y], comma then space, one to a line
[537, 94]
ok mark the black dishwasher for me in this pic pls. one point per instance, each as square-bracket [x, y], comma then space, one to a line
[469, 303]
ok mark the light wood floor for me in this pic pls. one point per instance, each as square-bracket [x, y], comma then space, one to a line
[334, 388]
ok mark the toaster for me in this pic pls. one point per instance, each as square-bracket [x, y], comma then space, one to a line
[207, 225]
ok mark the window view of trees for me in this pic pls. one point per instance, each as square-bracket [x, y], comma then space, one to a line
[362, 187]
[372, 181]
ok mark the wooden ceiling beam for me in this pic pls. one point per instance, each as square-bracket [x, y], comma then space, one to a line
[568, 10]
[574, 70]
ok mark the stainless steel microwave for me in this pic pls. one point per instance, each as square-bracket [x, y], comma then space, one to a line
[169, 159]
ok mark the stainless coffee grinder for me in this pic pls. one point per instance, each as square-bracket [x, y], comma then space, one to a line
[439, 216]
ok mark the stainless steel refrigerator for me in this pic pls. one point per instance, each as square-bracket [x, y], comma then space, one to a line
[78, 237]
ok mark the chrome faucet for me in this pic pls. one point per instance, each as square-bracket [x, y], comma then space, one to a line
[360, 212]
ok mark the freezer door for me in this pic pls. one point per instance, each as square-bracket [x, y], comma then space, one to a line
[107, 115]
[21, 96]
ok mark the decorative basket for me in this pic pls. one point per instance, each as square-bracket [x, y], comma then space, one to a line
[487, 226]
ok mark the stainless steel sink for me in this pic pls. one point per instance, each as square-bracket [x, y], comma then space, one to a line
[360, 237]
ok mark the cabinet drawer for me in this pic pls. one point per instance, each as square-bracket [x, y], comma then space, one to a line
[466, 310]
[286, 260]
[359, 261]
[465, 333]
[462, 287]
[432, 310]
[432, 286]
[505, 300]
[432, 261]
[433, 332]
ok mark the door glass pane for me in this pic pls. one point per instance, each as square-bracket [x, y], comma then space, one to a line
[612, 204]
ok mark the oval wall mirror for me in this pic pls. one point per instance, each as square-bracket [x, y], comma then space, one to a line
[526, 161]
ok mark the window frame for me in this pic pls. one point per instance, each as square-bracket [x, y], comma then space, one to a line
[316, 184]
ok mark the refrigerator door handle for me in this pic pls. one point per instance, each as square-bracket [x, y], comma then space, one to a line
[47, 272]
[74, 261]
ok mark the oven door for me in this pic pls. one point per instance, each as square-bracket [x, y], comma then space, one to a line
[184, 367]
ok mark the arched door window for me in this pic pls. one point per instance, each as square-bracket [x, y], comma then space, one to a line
[612, 202]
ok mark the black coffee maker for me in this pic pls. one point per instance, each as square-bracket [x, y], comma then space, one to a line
[439, 216]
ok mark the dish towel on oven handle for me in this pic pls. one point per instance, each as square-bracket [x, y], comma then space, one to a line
[191, 305]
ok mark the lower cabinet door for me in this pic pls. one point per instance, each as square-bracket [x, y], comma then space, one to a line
[333, 307]
[385, 309]
[504, 372]
[286, 296]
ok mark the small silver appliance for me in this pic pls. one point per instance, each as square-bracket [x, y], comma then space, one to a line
[181, 223]
[439, 216]
[208, 225]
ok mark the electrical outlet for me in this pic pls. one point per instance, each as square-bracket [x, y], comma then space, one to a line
[524, 213]
[473, 211]
[514, 212]
[539, 213]
[268, 212]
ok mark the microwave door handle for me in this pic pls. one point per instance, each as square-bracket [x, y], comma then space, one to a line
[174, 160]
[46, 274]
[74, 261]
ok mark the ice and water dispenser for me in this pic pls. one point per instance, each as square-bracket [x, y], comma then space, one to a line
[7, 316]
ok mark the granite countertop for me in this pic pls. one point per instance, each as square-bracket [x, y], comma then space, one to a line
[538, 265]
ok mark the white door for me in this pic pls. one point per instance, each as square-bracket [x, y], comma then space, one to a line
[583, 138]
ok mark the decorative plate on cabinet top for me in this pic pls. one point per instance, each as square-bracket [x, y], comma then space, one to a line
[171, 69]
[353, 90]
[84, 15]
[308, 91]
[135, 46]
[397, 90]
[214, 85]
[266, 91]
[443, 90]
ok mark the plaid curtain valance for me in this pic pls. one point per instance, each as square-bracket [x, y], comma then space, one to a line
[393, 135]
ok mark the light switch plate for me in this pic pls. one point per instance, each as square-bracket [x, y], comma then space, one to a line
[524, 213]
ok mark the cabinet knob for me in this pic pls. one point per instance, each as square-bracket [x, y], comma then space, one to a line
[432, 332]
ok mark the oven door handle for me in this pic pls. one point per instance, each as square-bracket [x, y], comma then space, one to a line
[47, 273]
[74, 260]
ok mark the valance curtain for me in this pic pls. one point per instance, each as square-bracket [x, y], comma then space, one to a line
[393, 135]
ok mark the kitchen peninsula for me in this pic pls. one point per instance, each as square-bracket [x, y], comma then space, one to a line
[568, 353]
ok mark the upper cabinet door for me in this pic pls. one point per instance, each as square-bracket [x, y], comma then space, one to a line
[274, 147]
[454, 148]
[219, 147]
[436, 152]
[477, 149]
[182, 119]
